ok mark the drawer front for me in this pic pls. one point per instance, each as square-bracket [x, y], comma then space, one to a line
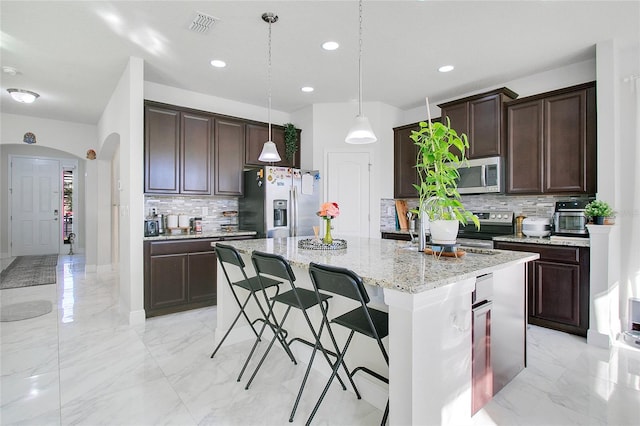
[552, 253]
[174, 247]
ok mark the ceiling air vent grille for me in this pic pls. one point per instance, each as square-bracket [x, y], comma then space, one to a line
[202, 22]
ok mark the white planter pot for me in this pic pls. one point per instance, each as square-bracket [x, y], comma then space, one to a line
[443, 231]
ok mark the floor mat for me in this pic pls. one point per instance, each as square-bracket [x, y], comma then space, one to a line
[27, 271]
[25, 310]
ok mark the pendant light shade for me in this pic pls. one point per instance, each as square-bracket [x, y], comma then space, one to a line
[361, 131]
[269, 152]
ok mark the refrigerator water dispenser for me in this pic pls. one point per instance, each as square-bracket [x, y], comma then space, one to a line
[279, 212]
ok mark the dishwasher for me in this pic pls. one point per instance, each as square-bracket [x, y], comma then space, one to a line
[481, 366]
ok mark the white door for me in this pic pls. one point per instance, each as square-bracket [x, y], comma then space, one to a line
[35, 206]
[348, 183]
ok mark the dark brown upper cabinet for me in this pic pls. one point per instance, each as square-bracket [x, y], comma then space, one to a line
[480, 117]
[405, 154]
[551, 141]
[229, 156]
[257, 135]
[177, 151]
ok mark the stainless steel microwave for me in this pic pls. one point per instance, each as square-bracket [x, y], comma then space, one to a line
[482, 176]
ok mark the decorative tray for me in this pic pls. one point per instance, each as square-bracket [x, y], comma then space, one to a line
[316, 244]
[446, 250]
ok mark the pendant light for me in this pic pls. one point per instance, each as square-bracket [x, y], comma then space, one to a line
[361, 131]
[269, 152]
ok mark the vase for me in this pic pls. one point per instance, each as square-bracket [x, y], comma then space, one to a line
[328, 239]
[443, 231]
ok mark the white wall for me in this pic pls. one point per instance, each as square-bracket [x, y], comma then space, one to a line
[55, 139]
[330, 123]
[558, 78]
[185, 98]
[124, 117]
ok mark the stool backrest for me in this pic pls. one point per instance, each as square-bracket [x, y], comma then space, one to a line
[340, 281]
[228, 254]
[272, 264]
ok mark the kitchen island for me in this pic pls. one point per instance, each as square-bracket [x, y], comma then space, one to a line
[430, 317]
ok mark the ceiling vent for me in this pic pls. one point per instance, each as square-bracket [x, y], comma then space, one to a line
[202, 22]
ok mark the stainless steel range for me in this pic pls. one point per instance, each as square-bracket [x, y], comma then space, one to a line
[493, 223]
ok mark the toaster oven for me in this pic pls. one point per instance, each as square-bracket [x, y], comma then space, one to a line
[570, 219]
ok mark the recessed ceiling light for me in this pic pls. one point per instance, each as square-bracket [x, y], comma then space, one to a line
[446, 68]
[330, 45]
[218, 63]
[307, 89]
[24, 96]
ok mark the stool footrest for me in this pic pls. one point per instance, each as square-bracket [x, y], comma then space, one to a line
[370, 372]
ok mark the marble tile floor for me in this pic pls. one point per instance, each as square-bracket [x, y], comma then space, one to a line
[83, 364]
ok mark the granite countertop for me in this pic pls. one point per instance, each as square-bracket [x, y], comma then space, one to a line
[553, 240]
[390, 263]
[206, 234]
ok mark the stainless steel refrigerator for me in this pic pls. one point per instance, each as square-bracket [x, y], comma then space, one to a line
[280, 202]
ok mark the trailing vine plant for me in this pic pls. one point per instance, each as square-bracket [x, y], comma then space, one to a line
[290, 141]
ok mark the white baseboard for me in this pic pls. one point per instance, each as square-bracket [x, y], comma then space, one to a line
[104, 268]
[137, 317]
[596, 338]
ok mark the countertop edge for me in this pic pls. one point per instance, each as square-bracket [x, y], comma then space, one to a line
[204, 235]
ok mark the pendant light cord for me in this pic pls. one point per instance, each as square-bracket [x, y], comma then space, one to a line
[269, 81]
[360, 61]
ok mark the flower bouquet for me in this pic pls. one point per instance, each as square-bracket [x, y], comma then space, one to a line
[328, 211]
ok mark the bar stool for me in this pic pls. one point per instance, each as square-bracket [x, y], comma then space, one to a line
[299, 298]
[364, 320]
[228, 255]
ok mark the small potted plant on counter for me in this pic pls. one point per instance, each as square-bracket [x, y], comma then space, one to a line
[598, 210]
[437, 168]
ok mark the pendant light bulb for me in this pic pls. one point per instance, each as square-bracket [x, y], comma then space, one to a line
[269, 152]
[361, 132]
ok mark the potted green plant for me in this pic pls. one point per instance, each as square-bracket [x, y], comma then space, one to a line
[437, 168]
[598, 210]
[290, 142]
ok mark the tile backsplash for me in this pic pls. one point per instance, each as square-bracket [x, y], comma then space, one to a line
[208, 208]
[528, 205]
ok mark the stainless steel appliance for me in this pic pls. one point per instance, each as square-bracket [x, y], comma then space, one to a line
[492, 224]
[536, 226]
[161, 225]
[481, 342]
[151, 228]
[280, 202]
[484, 175]
[569, 218]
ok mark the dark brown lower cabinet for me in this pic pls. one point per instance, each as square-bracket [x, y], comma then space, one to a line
[558, 293]
[179, 275]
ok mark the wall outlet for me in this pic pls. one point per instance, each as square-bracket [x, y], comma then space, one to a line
[205, 211]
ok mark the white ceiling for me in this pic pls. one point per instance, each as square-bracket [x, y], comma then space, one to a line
[73, 53]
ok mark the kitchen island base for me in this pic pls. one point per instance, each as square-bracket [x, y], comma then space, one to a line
[430, 330]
